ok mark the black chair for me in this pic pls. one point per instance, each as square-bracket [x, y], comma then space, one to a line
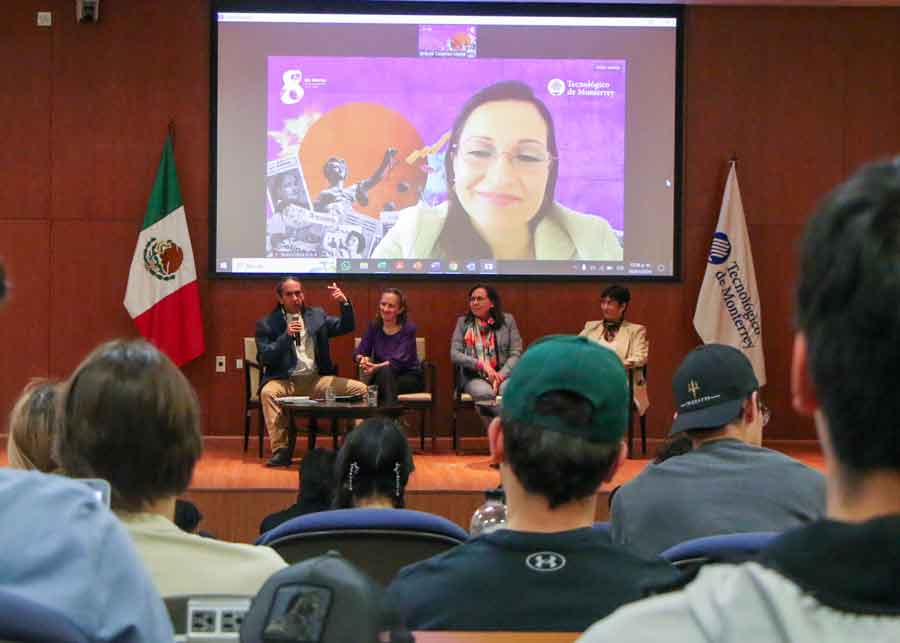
[378, 541]
[461, 401]
[252, 375]
[642, 419]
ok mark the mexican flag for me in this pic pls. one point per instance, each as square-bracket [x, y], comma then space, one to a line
[162, 295]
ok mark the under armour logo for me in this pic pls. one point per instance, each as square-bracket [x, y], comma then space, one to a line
[693, 388]
[545, 561]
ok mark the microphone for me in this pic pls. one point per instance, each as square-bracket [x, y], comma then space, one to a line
[295, 317]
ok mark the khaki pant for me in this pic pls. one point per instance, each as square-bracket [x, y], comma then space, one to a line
[314, 386]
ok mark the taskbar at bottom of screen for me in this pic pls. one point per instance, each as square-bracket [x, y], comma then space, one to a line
[448, 267]
[507, 268]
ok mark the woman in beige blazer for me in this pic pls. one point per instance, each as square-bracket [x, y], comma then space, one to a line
[627, 340]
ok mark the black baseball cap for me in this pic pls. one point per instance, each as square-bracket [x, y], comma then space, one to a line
[710, 387]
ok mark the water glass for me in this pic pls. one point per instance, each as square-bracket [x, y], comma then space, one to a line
[330, 395]
[372, 395]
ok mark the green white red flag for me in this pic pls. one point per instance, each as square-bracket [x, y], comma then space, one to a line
[162, 295]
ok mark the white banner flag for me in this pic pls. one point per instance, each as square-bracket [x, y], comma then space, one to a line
[728, 310]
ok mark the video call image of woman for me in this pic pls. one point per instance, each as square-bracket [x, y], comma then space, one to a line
[501, 165]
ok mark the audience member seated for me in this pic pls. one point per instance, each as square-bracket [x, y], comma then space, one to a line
[373, 466]
[836, 579]
[325, 599]
[188, 518]
[674, 446]
[131, 417]
[387, 354]
[728, 483]
[31, 427]
[316, 481]
[559, 438]
[62, 548]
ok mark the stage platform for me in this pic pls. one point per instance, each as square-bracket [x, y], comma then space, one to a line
[235, 491]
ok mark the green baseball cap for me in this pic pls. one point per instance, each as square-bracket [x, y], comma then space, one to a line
[578, 365]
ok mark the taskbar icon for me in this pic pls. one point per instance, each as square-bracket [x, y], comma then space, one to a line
[596, 268]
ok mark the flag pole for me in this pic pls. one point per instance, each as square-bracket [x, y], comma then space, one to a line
[728, 307]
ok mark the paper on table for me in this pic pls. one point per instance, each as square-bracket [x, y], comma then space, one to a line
[296, 399]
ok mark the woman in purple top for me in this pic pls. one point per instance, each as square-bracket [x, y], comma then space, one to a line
[387, 353]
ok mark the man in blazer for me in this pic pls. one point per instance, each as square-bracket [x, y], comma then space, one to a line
[627, 340]
[292, 348]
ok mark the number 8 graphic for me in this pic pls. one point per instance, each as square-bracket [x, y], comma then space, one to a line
[291, 91]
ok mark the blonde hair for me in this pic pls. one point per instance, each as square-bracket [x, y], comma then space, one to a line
[32, 426]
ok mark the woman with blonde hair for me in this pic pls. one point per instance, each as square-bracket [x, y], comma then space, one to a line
[31, 428]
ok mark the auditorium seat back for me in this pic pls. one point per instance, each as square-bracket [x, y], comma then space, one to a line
[378, 541]
[698, 551]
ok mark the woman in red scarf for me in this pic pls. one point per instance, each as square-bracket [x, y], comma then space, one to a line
[486, 345]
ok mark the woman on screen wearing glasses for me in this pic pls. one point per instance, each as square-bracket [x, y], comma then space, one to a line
[486, 345]
[501, 168]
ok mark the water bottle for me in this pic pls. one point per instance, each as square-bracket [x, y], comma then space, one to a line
[491, 515]
[330, 395]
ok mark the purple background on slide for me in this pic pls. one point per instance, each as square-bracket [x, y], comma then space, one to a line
[590, 130]
[435, 37]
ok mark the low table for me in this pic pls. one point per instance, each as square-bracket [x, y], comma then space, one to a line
[333, 412]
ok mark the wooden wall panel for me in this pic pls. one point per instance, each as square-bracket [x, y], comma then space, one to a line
[755, 91]
[872, 85]
[224, 336]
[117, 84]
[801, 95]
[25, 97]
[89, 263]
[776, 274]
[24, 319]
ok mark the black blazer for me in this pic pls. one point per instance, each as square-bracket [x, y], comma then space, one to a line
[275, 348]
